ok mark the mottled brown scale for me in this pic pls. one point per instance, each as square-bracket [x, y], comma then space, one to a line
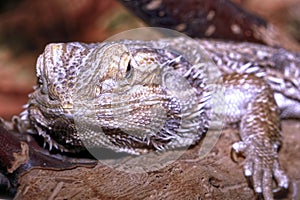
[262, 112]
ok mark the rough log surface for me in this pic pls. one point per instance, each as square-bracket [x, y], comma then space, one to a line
[215, 176]
[221, 19]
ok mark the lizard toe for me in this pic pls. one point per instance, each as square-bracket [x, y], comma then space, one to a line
[261, 163]
[280, 177]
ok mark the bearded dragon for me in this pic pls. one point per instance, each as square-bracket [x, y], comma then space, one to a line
[139, 96]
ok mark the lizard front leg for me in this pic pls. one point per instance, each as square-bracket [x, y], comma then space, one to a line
[259, 129]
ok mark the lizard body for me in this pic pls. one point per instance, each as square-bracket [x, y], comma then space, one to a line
[135, 95]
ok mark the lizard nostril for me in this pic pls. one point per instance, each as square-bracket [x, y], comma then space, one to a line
[44, 88]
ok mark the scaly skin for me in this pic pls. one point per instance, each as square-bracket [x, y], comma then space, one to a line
[134, 96]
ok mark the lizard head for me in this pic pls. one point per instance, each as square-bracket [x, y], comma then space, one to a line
[128, 93]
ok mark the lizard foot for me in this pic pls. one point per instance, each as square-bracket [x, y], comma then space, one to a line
[262, 164]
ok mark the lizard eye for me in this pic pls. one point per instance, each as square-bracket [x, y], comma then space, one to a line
[128, 70]
[125, 65]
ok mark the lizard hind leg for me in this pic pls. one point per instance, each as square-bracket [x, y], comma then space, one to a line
[260, 134]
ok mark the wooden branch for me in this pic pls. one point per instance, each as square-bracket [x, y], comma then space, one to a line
[220, 19]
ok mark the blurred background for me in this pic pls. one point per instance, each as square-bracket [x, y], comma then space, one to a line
[26, 26]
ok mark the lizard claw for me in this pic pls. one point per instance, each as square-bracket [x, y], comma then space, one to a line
[262, 164]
